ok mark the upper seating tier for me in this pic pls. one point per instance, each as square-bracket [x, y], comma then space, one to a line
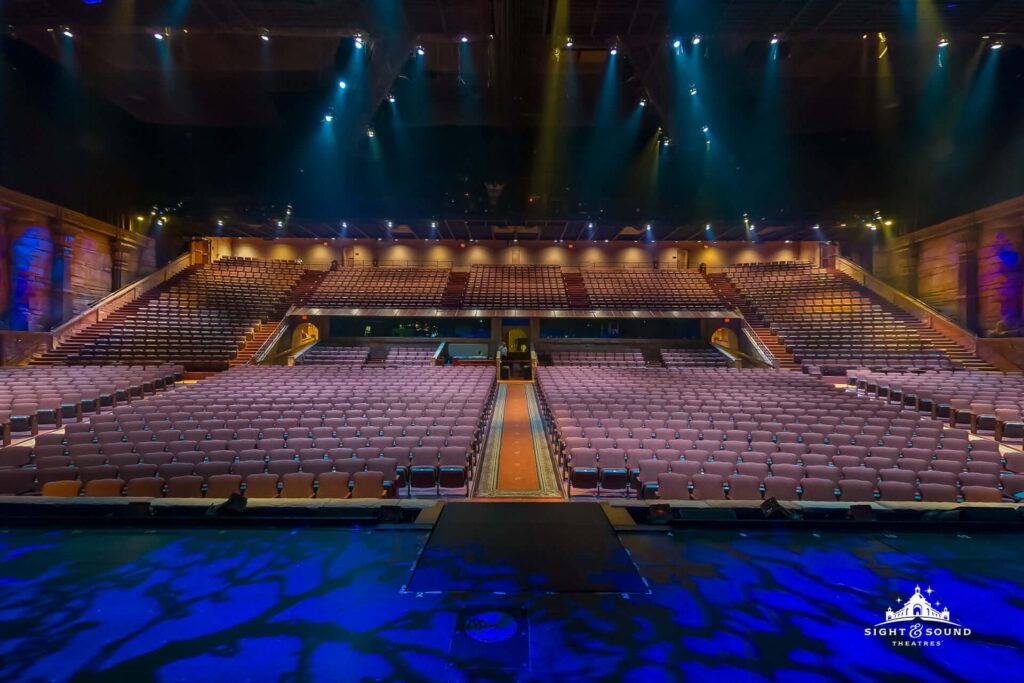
[375, 287]
[825, 319]
[650, 289]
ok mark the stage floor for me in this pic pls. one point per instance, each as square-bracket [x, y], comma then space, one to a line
[525, 547]
[326, 604]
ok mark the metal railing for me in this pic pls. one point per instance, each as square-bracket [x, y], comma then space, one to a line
[271, 342]
[766, 356]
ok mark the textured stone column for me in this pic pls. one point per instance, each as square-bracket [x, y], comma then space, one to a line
[913, 261]
[31, 260]
[63, 242]
[5, 269]
[118, 263]
[967, 277]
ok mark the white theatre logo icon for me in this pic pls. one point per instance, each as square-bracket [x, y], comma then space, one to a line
[918, 623]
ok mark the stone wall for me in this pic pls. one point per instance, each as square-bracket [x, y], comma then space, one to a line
[55, 263]
[969, 268]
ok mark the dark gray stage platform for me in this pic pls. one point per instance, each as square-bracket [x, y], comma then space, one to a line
[525, 547]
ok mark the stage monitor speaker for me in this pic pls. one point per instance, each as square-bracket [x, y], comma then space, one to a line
[862, 513]
[772, 509]
[659, 513]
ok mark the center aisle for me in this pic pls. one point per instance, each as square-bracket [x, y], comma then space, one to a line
[517, 462]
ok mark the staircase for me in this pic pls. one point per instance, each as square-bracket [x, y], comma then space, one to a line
[306, 285]
[723, 285]
[576, 290]
[954, 351]
[652, 357]
[455, 290]
[65, 353]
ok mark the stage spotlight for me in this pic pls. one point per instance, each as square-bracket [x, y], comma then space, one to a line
[328, 118]
[390, 225]
[420, 51]
[677, 43]
[265, 38]
[614, 51]
[997, 45]
[590, 226]
[280, 224]
[158, 36]
[943, 41]
[665, 142]
[643, 101]
[464, 39]
[705, 129]
[815, 227]
[693, 89]
[707, 227]
[67, 33]
[433, 224]
[342, 84]
[220, 223]
[344, 224]
[391, 98]
[696, 40]
[568, 42]
[648, 227]
[359, 42]
[774, 40]
[370, 133]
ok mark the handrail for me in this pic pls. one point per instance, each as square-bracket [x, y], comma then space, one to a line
[261, 353]
[740, 356]
[767, 356]
[438, 357]
[103, 308]
[303, 350]
[924, 312]
[731, 355]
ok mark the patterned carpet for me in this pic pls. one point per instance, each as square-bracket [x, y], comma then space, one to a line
[517, 462]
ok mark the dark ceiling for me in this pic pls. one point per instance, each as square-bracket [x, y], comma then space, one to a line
[211, 114]
[234, 78]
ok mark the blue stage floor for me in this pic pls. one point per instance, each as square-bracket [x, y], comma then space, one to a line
[318, 604]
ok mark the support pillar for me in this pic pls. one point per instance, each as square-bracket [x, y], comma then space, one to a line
[63, 240]
[913, 262]
[5, 270]
[31, 255]
[967, 278]
[118, 263]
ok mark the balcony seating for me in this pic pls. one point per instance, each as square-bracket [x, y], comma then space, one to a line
[380, 287]
[650, 289]
[506, 287]
[201, 319]
[825, 320]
